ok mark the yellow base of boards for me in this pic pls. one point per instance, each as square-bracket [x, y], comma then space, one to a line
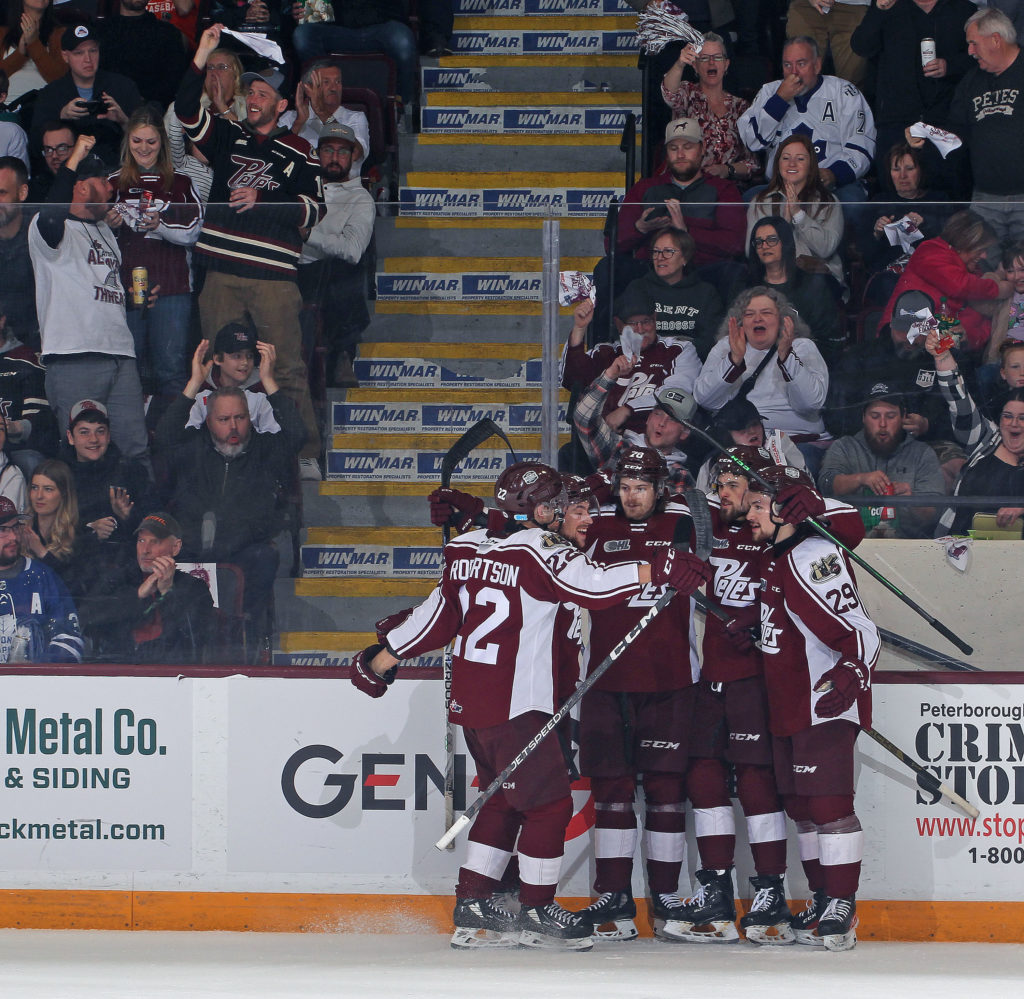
[280, 912]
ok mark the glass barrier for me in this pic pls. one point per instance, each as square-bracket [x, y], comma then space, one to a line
[366, 347]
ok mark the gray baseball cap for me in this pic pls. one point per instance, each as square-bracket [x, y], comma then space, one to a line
[340, 133]
[270, 76]
[680, 405]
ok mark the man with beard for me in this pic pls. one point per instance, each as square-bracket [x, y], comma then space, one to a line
[332, 268]
[884, 459]
[818, 647]
[264, 199]
[38, 623]
[87, 346]
[150, 52]
[730, 734]
[636, 719]
[228, 483]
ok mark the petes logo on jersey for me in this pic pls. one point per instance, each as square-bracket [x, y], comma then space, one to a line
[252, 173]
[825, 568]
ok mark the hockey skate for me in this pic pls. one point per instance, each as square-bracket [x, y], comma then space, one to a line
[707, 917]
[614, 910]
[768, 920]
[837, 926]
[483, 922]
[552, 927]
[805, 922]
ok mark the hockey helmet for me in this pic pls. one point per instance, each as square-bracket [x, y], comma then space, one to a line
[646, 463]
[778, 477]
[577, 489]
[755, 458]
[522, 487]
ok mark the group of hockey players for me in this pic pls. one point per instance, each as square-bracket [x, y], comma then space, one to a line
[773, 700]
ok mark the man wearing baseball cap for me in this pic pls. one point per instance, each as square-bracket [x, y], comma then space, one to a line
[91, 100]
[332, 269]
[264, 199]
[149, 610]
[38, 622]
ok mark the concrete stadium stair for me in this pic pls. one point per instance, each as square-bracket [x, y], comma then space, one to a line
[456, 321]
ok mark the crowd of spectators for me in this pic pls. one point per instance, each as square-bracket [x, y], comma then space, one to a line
[740, 281]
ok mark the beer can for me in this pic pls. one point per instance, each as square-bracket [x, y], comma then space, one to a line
[888, 512]
[140, 286]
[927, 50]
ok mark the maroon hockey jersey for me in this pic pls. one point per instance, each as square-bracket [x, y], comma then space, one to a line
[501, 599]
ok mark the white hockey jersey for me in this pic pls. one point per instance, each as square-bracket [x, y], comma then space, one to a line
[834, 116]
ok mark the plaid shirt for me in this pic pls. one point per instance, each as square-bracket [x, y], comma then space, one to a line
[603, 445]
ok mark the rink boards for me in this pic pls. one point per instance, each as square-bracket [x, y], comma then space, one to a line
[294, 803]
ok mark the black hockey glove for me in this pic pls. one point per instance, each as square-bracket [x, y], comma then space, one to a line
[364, 678]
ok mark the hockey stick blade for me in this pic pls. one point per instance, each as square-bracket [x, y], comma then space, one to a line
[700, 514]
[927, 654]
[552, 723]
[470, 440]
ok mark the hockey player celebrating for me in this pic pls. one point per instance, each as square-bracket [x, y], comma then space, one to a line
[730, 727]
[503, 598]
[818, 647]
[637, 717]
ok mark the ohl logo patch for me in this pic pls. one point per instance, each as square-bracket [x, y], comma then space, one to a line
[825, 568]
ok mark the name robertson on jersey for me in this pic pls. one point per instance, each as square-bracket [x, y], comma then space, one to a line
[485, 570]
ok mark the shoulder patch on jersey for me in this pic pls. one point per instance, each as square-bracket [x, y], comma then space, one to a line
[925, 379]
[551, 540]
[825, 568]
[617, 546]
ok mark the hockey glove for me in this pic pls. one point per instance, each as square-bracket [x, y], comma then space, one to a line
[364, 678]
[843, 684]
[795, 503]
[684, 572]
[454, 508]
[389, 623]
[738, 628]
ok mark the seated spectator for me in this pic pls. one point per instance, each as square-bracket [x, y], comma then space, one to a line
[716, 110]
[91, 100]
[38, 623]
[111, 490]
[239, 361]
[158, 238]
[904, 195]
[765, 354]
[13, 140]
[30, 52]
[685, 307]
[318, 106]
[30, 428]
[86, 344]
[224, 96]
[57, 142]
[363, 26]
[18, 288]
[1008, 322]
[884, 460]
[995, 463]
[949, 267]
[739, 424]
[829, 111]
[772, 255]
[12, 481]
[229, 479]
[333, 267]
[797, 194]
[53, 537]
[665, 429]
[147, 610]
[668, 361]
[152, 53]
[680, 197]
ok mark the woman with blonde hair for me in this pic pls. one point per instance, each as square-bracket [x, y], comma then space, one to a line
[157, 216]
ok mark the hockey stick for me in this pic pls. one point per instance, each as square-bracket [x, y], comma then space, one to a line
[825, 533]
[926, 653]
[929, 780]
[702, 536]
[471, 439]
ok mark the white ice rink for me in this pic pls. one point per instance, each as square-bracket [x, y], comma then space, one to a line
[144, 965]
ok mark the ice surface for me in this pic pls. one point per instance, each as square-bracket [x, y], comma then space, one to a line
[37, 964]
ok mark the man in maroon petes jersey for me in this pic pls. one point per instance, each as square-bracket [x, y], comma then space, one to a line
[636, 719]
[731, 714]
[818, 647]
[502, 598]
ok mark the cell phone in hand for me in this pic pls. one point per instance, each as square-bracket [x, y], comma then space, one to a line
[95, 107]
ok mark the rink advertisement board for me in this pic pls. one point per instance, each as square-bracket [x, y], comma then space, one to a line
[97, 774]
[351, 417]
[506, 202]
